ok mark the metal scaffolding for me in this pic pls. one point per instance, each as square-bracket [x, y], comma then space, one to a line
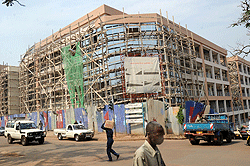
[44, 77]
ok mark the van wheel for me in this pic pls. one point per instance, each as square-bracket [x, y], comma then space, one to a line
[59, 136]
[10, 140]
[24, 141]
[41, 141]
[77, 138]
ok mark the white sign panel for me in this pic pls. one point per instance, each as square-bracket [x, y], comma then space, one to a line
[134, 116]
[133, 111]
[133, 105]
[134, 120]
[142, 75]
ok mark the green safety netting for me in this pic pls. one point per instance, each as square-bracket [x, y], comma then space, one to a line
[73, 67]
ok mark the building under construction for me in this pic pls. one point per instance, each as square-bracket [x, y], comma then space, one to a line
[239, 71]
[111, 55]
[9, 91]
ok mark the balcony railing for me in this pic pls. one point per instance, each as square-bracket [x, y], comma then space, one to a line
[229, 109]
[225, 79]
[227, 94]
[219, 93]
[210, 93]
[217, 77]
[200, 74]
[221, 110]
[209, 75]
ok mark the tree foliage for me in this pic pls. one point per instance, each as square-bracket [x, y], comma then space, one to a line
[11, 2]
[245, 21]
[180, 116]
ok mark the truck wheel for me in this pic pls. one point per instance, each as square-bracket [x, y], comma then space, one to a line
[77, 138]
[10, 140]
[59, 136]
[195, 142]
[41, 141]
[24, 141]
[229, 138]
[220, 139]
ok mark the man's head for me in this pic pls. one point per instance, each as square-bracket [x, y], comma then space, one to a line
[155, 133]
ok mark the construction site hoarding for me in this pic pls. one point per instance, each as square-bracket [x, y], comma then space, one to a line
[142, 74]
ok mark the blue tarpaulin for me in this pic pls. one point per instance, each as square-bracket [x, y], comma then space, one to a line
[189, 109]
[120, 118]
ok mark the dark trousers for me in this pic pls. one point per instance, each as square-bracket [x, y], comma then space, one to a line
[109, 148]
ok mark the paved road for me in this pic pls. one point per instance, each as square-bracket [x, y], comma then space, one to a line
[69, 152]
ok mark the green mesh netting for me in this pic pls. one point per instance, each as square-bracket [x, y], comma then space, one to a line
[73, 67]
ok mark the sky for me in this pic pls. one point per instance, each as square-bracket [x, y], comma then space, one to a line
[21, 27]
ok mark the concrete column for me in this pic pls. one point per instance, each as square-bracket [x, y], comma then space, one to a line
[210, 54]
[217, 106]
[215, 90]
[247, 104]
[225, 105]
[223, 92]
[218, 57]
[221, 77]
[212, 71]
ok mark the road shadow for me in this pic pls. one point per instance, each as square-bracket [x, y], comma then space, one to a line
[214, 144]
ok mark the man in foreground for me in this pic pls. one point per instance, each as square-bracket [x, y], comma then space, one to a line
[148, 154]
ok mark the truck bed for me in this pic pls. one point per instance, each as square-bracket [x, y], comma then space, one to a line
[206, 126]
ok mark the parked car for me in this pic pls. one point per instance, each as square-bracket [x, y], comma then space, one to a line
[243, 132]
[2, 129]
[237, 134]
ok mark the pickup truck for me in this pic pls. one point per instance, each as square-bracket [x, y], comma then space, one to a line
[213, 128]
[75, 131]
[24, 130]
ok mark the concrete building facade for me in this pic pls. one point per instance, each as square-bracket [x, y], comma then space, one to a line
[240, 81]
[9, 90]
[191, 67]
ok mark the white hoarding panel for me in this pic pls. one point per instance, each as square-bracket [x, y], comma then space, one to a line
[142, 75]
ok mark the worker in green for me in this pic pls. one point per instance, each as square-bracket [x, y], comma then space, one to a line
[148, 154]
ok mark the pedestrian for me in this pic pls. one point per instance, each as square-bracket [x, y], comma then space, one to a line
[40, 125]
[75, 122]
[110, 141]
[148, 154]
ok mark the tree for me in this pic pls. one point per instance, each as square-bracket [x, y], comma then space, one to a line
[180, 116]
[11, 2]
[245, 21]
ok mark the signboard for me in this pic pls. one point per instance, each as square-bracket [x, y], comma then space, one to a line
[142, 75]
[134, 113]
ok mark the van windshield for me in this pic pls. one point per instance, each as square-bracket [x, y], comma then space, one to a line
[28, 125]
